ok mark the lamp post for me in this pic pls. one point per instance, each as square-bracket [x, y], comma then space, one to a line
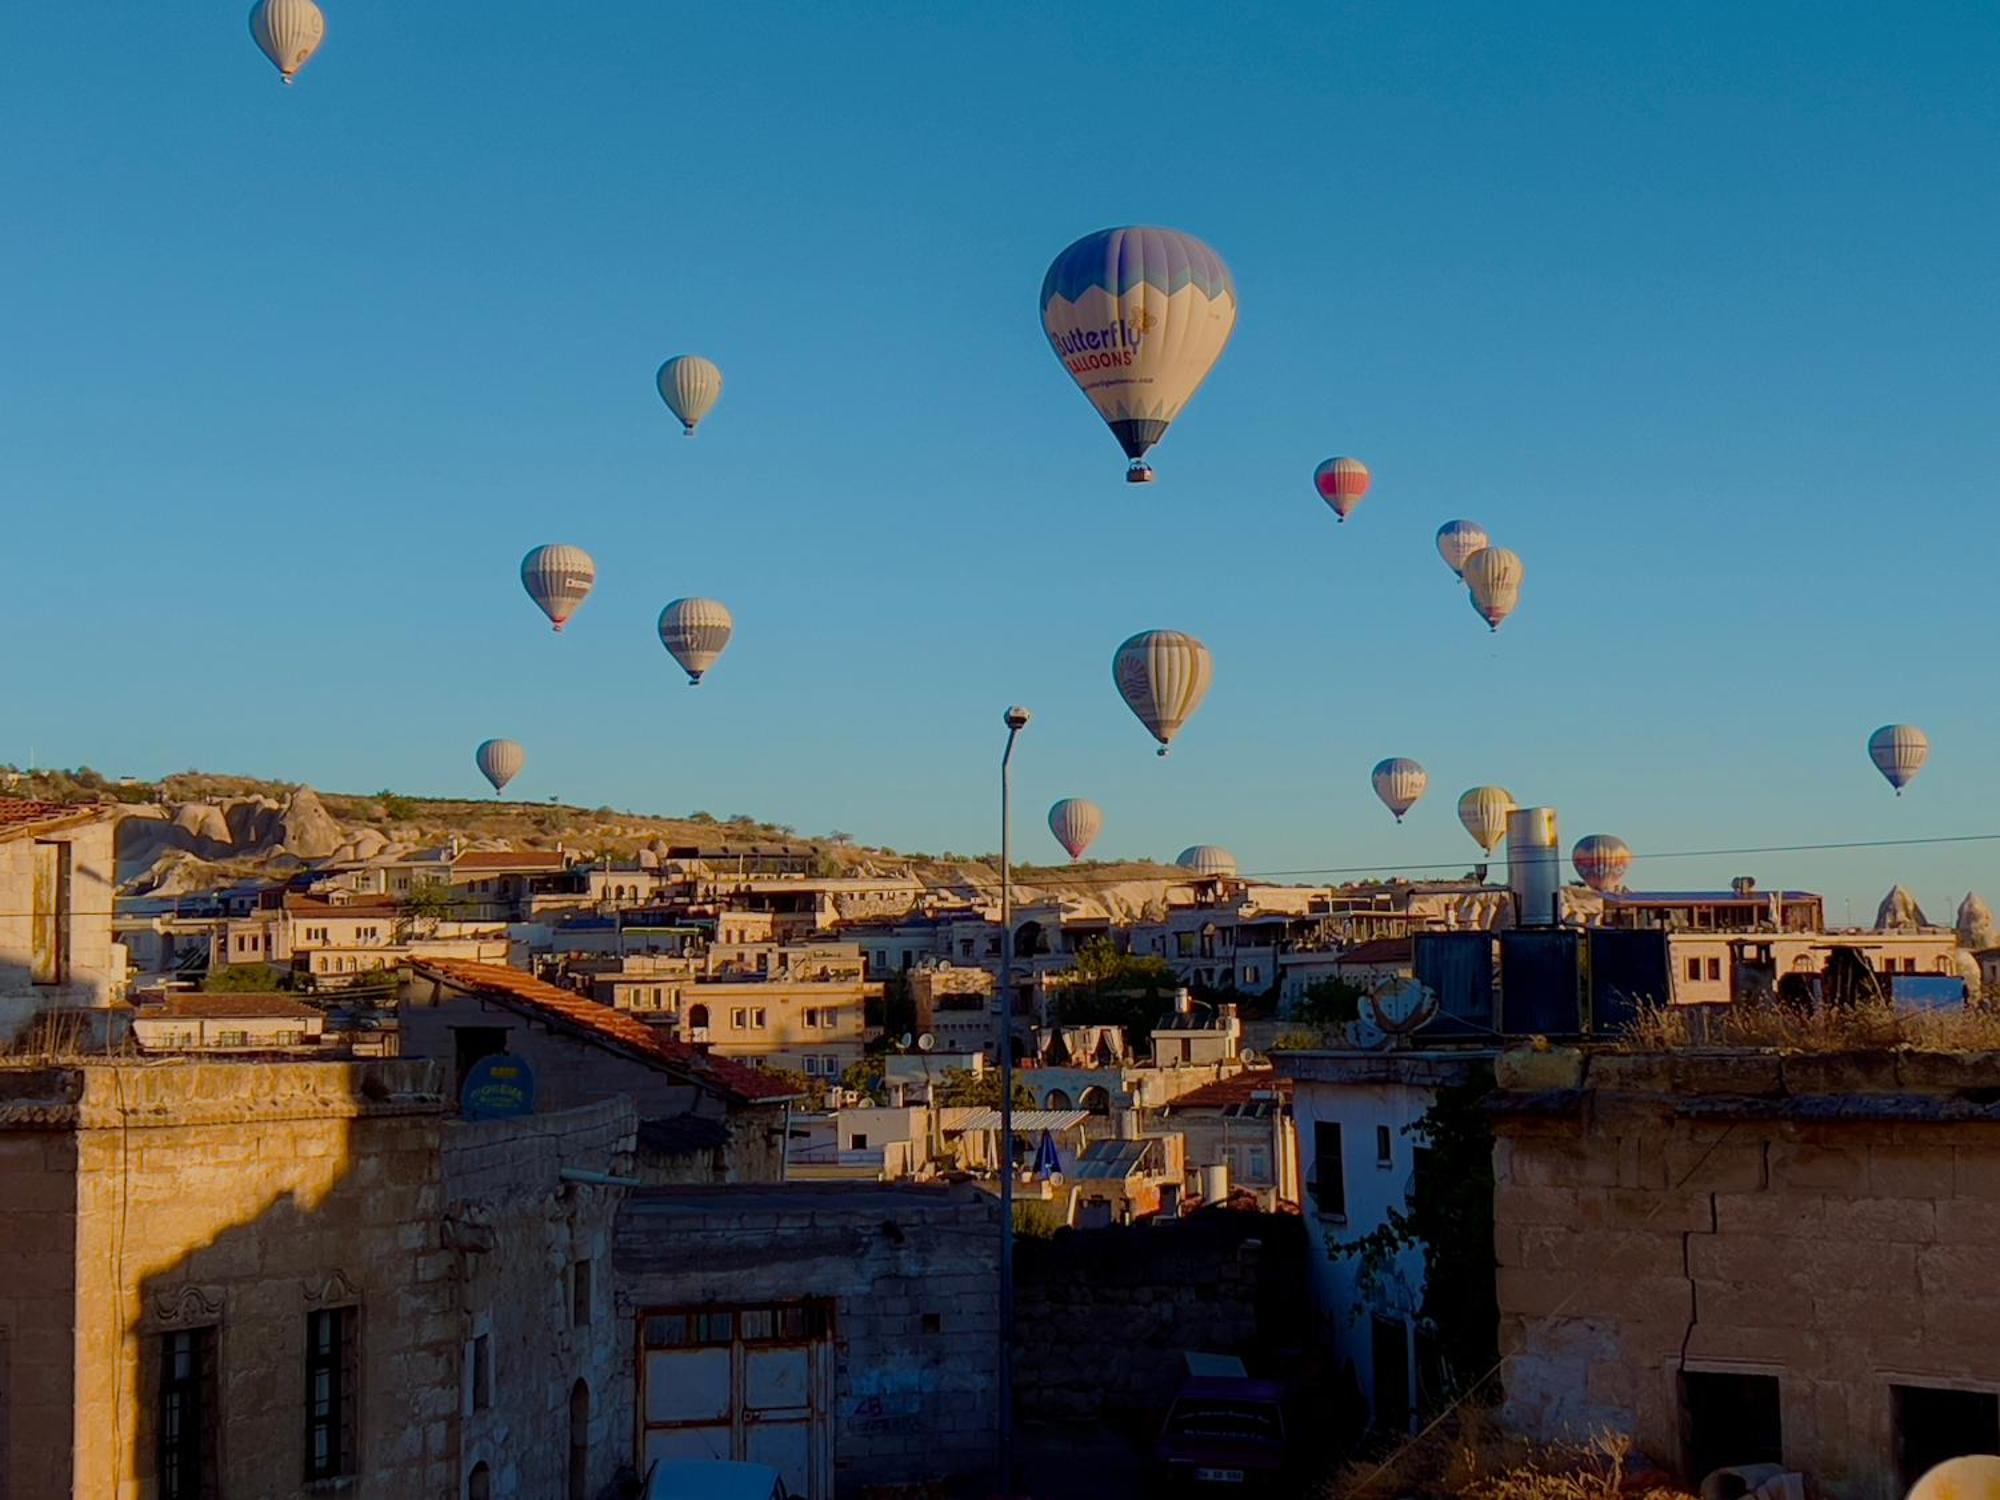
[1017, 720]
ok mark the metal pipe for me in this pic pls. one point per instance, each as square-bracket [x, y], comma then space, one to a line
[1016, 720]
[597, 1179]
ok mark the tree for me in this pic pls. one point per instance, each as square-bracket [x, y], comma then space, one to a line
[813, 1090]
[1110, 988]
[1328, 1003]
[396, 809]
[241, 979]
[961, 1087]
[428, 903]
[865, 1077]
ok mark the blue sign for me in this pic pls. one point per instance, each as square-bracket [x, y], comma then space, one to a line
[499, 1087]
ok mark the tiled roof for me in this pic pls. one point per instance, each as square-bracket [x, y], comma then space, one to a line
[579, 1013]
[1237, 1090]
[511, 859]
[319, 906]
[18, 814]
[228, 1008]
[1380, 951]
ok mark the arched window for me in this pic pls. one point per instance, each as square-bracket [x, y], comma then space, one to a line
[1096, 1101]
[579, 1442]
[479, 1483]
[1056, 1099]
[698, 1016]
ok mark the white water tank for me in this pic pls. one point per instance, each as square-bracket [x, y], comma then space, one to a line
[1215, 1182]
[1534, 865]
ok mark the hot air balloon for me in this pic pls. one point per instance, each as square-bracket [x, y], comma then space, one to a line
[695, 631]
[1207, 860]
[289, 32]
[1341, 482]
[1399, 782]
[1483, 810]
[690, 385]
[1075, 823]
[1162, 675]
[499, 761]
[558, 577]
[1458, 540]
[1899, 752]
[1493, 574]
[1601, 860]
[1138, 317]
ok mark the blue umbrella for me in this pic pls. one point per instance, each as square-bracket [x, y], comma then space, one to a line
[1048, 1163]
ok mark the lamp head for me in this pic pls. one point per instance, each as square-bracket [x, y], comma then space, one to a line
[1017, 718]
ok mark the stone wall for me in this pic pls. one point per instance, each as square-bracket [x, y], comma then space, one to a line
[1831, 1221]
[96, 963]
[1103, 1316]
[38, 1286]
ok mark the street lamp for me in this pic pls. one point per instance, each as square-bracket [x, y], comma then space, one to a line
[1017, 720]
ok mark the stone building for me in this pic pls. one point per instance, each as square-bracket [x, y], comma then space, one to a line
[703, 1118]
[287, 1279]
[844, 1332]
[1743, 1257]
[58, 873]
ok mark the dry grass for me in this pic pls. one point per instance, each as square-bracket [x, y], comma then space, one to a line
[1864, 1027]
[1464, 1458]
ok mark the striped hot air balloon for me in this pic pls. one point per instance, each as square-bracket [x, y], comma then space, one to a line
[1493, 575]
[1162, 675]
[289, 33]
[1602, 861]
[1342, 482]
[695, 631]
[1138, 316]
[1458, 540]
[499, 761]
[690, 385]
[1899, 752]
[1075, 823]
[1400, 782]
[1207, 860]
[1483, 810]
[558, 577]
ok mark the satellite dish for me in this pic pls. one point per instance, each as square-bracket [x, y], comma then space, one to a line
[1251, 1059]
[926, 1042]
[1365, 1034]
[905, 1042]
[1402, 1009]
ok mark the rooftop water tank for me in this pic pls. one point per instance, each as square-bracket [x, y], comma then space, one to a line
[1534, 865]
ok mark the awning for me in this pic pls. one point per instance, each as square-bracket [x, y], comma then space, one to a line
[1027, 1119]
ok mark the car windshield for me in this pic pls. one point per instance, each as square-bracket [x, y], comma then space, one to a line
[1234, 1421]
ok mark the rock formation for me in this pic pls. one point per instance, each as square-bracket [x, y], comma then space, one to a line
[1899, 912]
[1975, 924]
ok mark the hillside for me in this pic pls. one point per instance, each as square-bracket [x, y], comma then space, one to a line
[197, 830]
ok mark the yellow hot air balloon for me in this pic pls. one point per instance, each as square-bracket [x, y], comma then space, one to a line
[1483, 810]
[690, 385]
[1493, 574]
[1162, 675]
[1138, 316]
[289, 32]
[695, 631]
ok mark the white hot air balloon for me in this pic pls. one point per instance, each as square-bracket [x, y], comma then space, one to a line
[558, 577]
[1458, 540]
[1899, 752]
[1209, 861]
[1493, 575]
[1483, 810]
[1075, 823]
[690, 385]
[499, 761]
[1399, 782]
[289, 32]
[1162, 675]
[695, 631]
[1974, 1476]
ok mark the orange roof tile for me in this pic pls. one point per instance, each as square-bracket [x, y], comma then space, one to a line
[511, 859]
[19, 814]
[565, 1007]
[228, 1008]
[1238, 1090]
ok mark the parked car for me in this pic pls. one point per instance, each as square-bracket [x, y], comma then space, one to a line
[1223, 1433]
[713, 1479]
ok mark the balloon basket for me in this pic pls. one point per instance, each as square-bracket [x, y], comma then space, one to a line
[1140, 472]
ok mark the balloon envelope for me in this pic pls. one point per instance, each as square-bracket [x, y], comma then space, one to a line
[1493, 575]
[1974, 1476]
[1138, 317]
[558, 577]
[695, 631]
[1207, 860]
[1162, 675]
[1458, 540]
[1075, 823]
[690, 385]
[1342, 482]
[1601, 860]
[1483, 810]
[499, 761]
[289, 33]
[1899, 752]
[1399, 782]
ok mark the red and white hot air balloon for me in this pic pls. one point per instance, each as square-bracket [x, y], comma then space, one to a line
[1342, 483]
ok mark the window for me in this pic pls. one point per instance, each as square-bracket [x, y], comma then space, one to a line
[1729, 1419]
[1251, 975]
[757, 1019]
[479, 1483]
[1715, 969]
[1329, 1185]
[933, 1322]
[187, 1415]
[738, 1019]
[812, 1066]
[810, 1019]
[579, 1442]
[579, 1295]
[1694, 970]
[482, 1372]
[857, 1141]
[830, 1066]
[1385, 1154]
[331, 1391]
[1933, 1424]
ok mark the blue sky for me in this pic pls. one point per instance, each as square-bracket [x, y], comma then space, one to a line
[1693, 306]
